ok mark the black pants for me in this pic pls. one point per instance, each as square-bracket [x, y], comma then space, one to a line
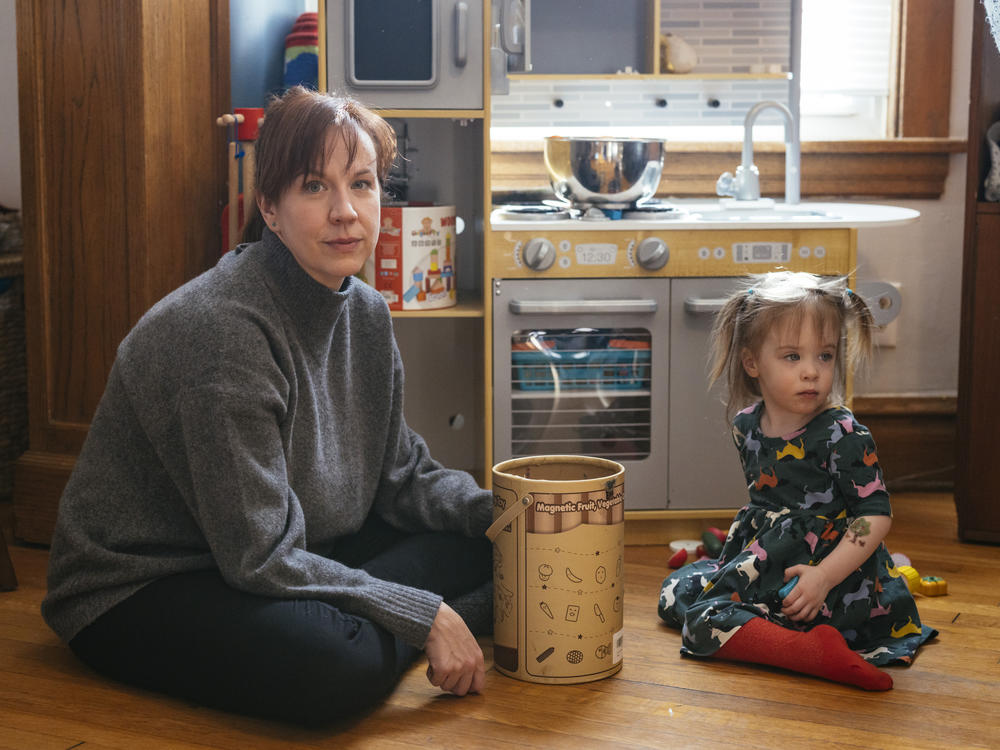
[195, 637]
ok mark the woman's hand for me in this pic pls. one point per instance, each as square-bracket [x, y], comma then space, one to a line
[806, 598]
[456, 661]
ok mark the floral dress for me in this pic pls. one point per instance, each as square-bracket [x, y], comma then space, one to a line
[805, 489]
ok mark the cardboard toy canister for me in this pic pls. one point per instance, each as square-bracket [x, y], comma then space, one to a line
[413, 265]
[558, 552]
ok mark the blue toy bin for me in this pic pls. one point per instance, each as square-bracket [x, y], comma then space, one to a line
[603, 369]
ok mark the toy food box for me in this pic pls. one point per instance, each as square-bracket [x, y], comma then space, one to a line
[413, 265]
[558, 536]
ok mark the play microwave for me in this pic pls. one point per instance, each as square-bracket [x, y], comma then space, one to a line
[406, 54]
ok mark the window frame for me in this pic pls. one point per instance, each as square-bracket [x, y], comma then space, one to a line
[923, 85]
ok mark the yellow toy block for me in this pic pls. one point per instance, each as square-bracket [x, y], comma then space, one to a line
[926, 585]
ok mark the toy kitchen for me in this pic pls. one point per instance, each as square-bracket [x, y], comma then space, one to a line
[603, 299]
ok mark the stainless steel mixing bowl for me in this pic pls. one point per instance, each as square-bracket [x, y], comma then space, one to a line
[606, 172]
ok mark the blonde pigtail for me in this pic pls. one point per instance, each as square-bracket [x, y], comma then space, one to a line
[860, 324]
[723, 338]
[729, 338]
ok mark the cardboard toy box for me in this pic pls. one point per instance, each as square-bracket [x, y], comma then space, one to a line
[558, 536]
[413, 265]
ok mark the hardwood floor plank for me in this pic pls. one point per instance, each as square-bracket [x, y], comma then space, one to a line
[15, 739]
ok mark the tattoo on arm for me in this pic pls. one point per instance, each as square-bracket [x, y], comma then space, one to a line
[859, 528]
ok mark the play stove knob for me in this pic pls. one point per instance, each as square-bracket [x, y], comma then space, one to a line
[652, 253]
[539, 254]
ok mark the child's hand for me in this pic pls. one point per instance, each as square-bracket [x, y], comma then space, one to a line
[806, 599]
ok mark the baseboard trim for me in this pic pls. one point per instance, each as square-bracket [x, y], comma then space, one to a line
[916, 438]
[644, 528]
[899, 405]
[39, 479]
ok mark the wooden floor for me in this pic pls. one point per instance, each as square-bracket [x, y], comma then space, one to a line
[949, 697]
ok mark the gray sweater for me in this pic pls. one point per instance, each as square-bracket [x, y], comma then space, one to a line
[251, 418]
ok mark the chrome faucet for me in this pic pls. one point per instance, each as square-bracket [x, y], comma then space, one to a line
[745, 184]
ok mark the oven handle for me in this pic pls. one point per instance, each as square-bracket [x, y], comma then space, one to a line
[701, 306]
[561, 306]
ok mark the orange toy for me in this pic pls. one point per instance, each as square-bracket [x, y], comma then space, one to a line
[926, 585]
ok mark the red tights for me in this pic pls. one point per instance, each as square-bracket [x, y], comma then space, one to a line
[821, 652]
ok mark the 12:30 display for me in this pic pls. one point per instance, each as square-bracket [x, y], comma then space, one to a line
[596, 254]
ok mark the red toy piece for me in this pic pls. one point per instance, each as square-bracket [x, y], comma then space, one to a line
[678, 558]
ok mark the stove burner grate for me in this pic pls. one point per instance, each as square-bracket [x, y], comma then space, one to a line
[653, 210]
[534, 212]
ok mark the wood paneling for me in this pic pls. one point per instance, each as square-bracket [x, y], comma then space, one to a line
[946, 699]
[39, 479]
[123, 177]
[916, 439]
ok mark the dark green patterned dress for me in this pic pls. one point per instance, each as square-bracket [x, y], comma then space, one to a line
[805, 489]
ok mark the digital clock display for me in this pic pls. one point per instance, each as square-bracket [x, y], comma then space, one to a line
[762, 252]
[596, 254]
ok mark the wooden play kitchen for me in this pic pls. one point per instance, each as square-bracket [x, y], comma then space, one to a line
[602, 303]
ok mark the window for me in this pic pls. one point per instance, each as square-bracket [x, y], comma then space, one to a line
[846, 64]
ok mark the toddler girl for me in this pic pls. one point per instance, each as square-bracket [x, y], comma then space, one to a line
[818, 509]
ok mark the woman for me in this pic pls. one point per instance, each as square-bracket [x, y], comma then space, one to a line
[251, 524]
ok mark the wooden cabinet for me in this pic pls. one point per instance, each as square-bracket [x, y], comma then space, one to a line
[979, 359]
[570, 37]
[123, 176]
[579, 39]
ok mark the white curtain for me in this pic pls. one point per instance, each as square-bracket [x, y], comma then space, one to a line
[993, 14]
[846, 47]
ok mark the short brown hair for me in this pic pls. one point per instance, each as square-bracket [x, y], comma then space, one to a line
[292, 140]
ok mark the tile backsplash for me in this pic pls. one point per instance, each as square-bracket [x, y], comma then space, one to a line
[729, 36]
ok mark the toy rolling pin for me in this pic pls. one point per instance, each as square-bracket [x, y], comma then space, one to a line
[229, 121]
[246, 133]
[243, 123]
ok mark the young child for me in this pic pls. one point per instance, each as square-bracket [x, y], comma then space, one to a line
[818, 509]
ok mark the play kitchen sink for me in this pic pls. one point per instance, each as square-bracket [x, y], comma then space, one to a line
[602, 300]
[814, 215]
